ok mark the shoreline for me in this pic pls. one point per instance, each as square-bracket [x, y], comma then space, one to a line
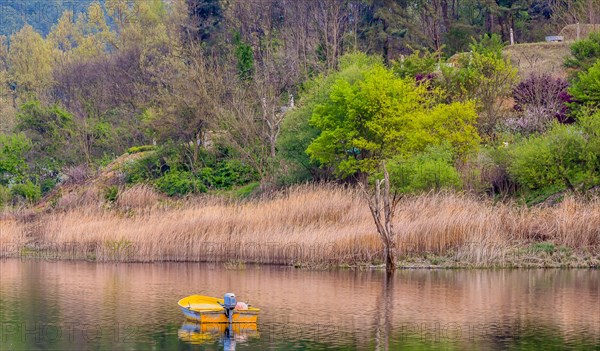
[533, 260]
[313, 267]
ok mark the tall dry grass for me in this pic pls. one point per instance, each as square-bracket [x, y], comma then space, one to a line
[310, 224]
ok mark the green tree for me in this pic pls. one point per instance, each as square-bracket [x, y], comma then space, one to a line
[92, 34]
[590, 124]
[380, 116]
[584, 53]
[484, 75]
[30, 61]
[297, 132]
[206, 17]
[586, 88]
[64, 33]
[377, 116]
[245, 58]
[7, 95]
[50, 129]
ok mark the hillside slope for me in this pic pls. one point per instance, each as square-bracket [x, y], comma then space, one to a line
[539, 57]
[83, 192]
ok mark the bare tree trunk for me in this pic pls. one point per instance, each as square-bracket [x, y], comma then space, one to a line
[273, 122]
[383, 207]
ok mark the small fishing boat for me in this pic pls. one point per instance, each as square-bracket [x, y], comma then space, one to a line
[206, 309]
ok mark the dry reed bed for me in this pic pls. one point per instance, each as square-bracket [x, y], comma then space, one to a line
[305, 225]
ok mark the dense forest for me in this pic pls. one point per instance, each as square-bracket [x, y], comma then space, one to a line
[40, 14]
[219, 94]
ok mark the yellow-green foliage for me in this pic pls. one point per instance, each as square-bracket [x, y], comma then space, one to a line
[377, 116]
[486, 76]
[30, 60]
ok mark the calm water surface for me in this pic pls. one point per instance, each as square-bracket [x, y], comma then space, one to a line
[48, 305]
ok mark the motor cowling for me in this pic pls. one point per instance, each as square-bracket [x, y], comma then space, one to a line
[229, 301]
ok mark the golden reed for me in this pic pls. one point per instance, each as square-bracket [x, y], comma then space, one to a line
[306, 225]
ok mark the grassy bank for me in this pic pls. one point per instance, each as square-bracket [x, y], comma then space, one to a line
[309, 226]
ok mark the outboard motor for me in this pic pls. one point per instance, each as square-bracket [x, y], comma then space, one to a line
[229, 305]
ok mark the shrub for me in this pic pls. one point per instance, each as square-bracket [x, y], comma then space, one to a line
[105, 160]
[540, 99]
[590, 124]
[111, 193]
[227, 174]
[560, 157]
[546, 247]
[584, 53]
[144, 169]
[430, 170]
[233, 172]
[47, 184]
[494, 171]
[246, 190]
[177, 182]
[27, 190]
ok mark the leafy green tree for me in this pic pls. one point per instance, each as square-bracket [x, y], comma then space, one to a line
[590, 124]
[177, 182]
[30, 61]
[297, 133]
[7, 95]
[380, 116]
[5, 196]
[376, 116]
[27, 190]
[245, 58]
[50, 129]
[484, 75]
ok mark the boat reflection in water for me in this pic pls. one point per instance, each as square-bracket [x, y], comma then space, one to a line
[228, 334]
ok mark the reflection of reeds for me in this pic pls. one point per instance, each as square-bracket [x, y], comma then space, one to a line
[312, 304]
[308, 225]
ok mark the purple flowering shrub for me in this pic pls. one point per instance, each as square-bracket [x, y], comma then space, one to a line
[539, 100]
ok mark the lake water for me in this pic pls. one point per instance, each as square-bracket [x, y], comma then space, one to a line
[46, 305]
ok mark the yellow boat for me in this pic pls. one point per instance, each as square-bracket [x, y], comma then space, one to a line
[206, 309]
